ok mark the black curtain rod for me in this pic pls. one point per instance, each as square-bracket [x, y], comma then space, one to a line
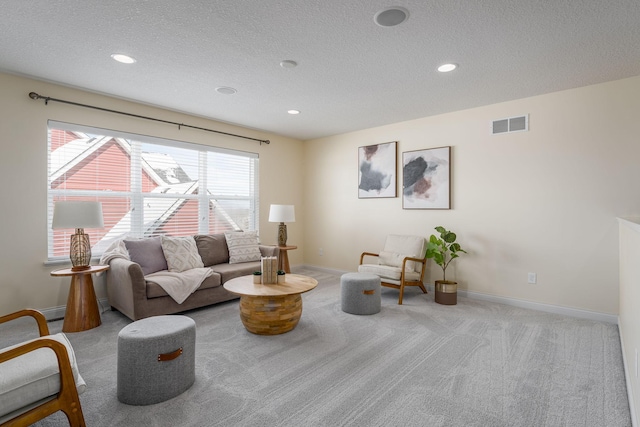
[34, 95]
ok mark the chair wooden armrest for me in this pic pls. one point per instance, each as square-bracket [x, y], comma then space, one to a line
[67, 399]
[422, 261]
[43, 328]
[367, 254]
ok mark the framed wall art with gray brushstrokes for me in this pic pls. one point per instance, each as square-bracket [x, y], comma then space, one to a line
[378, 170]
[426, 177]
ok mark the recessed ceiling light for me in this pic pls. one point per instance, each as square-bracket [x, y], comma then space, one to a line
[445, 68]
[287, 63]
[224, 90]
[125, 59]
[391, 16]
[293, 112]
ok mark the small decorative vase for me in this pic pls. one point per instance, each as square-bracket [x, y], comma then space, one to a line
[446, 292]
[257, 279]
[281, 279]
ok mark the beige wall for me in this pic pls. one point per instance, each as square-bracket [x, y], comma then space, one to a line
[24, 279]
[543, 201]
[629, 322]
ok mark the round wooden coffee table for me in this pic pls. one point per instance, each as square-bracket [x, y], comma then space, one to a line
[271, 309]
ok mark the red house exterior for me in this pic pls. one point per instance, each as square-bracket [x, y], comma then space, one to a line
[81, 162]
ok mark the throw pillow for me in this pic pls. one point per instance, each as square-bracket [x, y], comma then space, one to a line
[243, 246]
[181, 253]
[148, 253]
[212, 249]
[395, 259]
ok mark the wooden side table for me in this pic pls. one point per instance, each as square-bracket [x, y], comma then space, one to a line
[82, 305]
[283, 259]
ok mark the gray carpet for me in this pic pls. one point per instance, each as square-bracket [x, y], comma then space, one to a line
[419, 364]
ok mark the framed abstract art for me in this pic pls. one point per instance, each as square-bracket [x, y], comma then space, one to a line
[426, 176]
[378, 170]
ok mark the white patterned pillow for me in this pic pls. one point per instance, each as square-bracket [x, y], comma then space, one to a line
[243, 246]
[181, 253]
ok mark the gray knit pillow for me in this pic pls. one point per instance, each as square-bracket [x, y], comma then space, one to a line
[148, 253]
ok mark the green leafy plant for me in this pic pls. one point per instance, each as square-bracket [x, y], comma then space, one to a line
[443, 250]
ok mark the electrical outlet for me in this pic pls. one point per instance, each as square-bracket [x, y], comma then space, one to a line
[320, 251]
[532, 278]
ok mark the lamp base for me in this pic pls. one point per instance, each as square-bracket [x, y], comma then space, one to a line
[282, 234]
[80, 252]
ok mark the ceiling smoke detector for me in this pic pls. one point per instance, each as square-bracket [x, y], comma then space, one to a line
[224, 90]
[391, 16]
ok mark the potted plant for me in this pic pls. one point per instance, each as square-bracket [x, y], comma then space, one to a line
[257, 277]
[281, 276]
[443, 250]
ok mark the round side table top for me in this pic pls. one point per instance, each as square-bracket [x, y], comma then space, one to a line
[293, 284]
[70, 272]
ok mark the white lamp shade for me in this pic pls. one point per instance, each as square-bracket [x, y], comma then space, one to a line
[282, 213]
[75, 214]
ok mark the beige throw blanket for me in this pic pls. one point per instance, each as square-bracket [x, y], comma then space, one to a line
[177, 285]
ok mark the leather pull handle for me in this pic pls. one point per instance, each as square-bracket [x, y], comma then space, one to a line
[369, 292]
[169, 356]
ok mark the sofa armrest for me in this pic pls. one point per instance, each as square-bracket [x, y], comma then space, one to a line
[269, 250]
[125, 286]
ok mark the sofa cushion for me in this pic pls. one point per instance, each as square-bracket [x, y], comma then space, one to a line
[181, 253]
[19, 389]
[243, 246]
[154, 290]
[212, 249]
[148, 253]
[231, 271]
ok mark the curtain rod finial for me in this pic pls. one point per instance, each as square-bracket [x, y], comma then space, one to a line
[33, 95]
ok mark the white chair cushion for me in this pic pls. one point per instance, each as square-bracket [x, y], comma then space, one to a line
[387, 272]
[34, 376]
[397, 247]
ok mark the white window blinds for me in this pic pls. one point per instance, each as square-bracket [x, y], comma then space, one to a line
[148, 186]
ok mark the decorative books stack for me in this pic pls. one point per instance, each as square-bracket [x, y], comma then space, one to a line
[269, 267]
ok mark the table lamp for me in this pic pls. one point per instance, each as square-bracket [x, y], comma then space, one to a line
[78, 215]
[282, 214]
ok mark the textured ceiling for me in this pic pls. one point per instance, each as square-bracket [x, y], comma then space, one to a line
[352, 73]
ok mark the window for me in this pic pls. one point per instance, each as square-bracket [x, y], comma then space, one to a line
[148, 186]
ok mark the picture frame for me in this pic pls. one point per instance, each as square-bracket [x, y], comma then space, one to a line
[378, 170]
[426, 178]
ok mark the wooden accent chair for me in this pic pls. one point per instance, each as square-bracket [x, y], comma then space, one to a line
[39, 377]
[401, 263]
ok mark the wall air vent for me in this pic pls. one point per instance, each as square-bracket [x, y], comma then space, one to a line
[511, 124]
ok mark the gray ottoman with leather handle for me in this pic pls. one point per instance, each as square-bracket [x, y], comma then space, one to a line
[360, 293]
[156, 359]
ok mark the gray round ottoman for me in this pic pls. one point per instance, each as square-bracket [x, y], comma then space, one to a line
[156, 359]
[360, 293]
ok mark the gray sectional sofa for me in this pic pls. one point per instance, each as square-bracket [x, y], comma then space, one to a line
[131, 288]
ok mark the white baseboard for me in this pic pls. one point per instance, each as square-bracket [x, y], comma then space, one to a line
[627, 377]
[549, 308]
[57, 313]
